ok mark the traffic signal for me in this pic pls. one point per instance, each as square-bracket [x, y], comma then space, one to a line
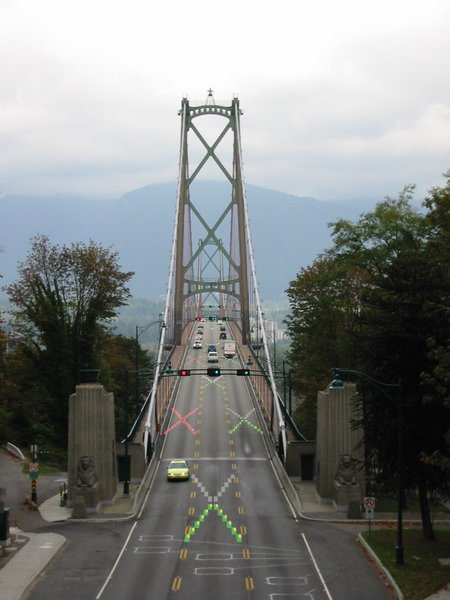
[184, 372]
[213, 371]
[241, 372]
[212, 318]
[197, 319]
[226, 318]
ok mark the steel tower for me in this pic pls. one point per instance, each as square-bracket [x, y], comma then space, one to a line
[214, 274]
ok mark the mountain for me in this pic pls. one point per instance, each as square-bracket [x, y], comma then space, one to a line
[287, 231]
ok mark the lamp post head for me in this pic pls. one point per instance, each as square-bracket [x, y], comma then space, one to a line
[337, 383]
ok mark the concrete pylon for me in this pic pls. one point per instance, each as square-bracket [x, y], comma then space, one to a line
[92, 471]
[336, 438]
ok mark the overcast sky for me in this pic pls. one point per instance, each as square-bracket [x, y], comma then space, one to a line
[341, 99]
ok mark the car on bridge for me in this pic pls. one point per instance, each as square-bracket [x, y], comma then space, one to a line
[197, 345]
[212, 348]
[213, 357]
[178, 469]
[223, 335]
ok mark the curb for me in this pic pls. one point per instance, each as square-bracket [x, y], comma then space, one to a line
[380, 565]
[30, 561]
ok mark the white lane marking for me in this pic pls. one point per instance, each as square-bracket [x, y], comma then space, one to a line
[202, 488]
[116, 563]
[240, 416]
[287, 580]
[214, 571]
[317, 568]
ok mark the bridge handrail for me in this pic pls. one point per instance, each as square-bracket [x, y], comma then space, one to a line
[281, 425]
[295, 430]
[136, 425]
[148, 424]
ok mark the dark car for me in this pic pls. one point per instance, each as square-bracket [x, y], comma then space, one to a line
[223, 335]
[212, 348]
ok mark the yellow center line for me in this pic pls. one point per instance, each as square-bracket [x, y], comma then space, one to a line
[249, 585]
[176, 584]
[183, 553]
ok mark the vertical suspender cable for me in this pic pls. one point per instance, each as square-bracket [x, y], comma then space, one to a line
[282, 426]
[151, 410]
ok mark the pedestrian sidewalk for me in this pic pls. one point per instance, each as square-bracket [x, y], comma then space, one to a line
[30, 553]
[122, 508]
[28, 562]
[312, 508]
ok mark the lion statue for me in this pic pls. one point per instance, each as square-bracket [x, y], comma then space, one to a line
[345, 474]
[86, 476]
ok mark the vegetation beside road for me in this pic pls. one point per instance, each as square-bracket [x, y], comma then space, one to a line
[376, 304]
[422, 575]
[63, 307]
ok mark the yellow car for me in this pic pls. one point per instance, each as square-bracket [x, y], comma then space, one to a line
[178, 469]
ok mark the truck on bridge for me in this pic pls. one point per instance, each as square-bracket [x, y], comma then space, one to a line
[229, 349]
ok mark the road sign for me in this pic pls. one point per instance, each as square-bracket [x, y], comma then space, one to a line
[34, 467]
[369, 502]
[369, 512]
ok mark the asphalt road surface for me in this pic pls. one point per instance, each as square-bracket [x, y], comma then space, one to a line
[228, 532]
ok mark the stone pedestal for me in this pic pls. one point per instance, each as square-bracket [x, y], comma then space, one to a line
[90, 495]
[336, 437]
[79, 508]
[345, 494]
[92, 447]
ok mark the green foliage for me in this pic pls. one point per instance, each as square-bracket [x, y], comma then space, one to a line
[305, 417]
[62, 301]
[378, 302]
[324, 302]
[422, 575]
[120, 358]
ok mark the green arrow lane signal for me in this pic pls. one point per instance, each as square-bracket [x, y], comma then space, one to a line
[213, 372]
[243, 372]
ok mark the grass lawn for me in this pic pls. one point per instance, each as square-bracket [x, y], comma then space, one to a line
[43, 468]
[422, 574]
[385, 504]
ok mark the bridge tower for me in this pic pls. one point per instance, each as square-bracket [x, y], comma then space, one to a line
[210, 277]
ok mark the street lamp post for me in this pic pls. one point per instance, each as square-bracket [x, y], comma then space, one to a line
[140, 330]
[126, 483]
[337, 383]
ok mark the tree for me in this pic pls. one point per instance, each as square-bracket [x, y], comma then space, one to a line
[404, 305]
[324, 301]
[378, 302]
[119, 357]
[63, 300]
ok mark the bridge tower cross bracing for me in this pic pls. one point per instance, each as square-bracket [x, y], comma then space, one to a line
[222, 272]
[229, 288]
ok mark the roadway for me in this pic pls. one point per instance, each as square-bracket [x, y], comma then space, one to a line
[228, 532]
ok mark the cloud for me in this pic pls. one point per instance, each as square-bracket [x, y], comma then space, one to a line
[90, 92]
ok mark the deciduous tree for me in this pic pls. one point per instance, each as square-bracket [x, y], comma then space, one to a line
[64, 297]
